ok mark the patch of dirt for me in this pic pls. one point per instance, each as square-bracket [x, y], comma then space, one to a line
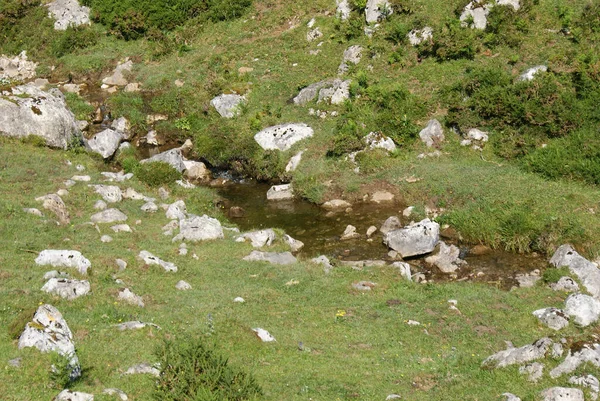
[424, 382]
[484, 330]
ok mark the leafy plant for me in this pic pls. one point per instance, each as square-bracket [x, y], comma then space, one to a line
[156, 173]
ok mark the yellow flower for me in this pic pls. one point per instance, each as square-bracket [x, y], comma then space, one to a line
[340, 313]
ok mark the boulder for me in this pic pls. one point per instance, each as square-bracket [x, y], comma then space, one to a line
[196, 171]
[115, 391]
[382, 197]
[390, 224]
[55, 204]
[128, 296]
[524, 354]
[110, 193]
[566, 284]
[199, 228]
[554, 318]
[33, 211]
[588, 381]
[132, 194]
[323, 261]
[122, 126]
[588, 354]
[149, 207]
[118, 177]
[343, 9]
[352, 55]
[177, 211]
[532, 72]
[228, 106]
[364, 285]
[150, 259]
[313, 34]
[28, 110]
[586, 271]
[118, 76]
[404, 269]
[174, 157]
[65, 288]
[418, 36]
[376, 140]
[68, 13]
[264, 335]
[350, 233]
[49, 332]
[534, 371]
[121, 228]
[281, 258]
[447, 259]
[310, 92]
[68, 395]
[105, 143]
[64, 258]
[475, 13]
[584, 309]
[17, 68]
[432, 134]
[336, 93]
[562, 394]
[258, 238]
[376, 10]
[282, 137]
[280, 192]
[295, 245]
[417, 239]
[108, 216]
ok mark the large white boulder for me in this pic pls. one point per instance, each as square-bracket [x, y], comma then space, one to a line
[280, 192]
[68, 13]
[416, 239]
[174, 157]
[376, 10]
[28, 110]
[584, 309]
[282, 137]
[64, 258]
[110, 193]
[586, 271]
[229, 105]
[199, 228]
[17, 68]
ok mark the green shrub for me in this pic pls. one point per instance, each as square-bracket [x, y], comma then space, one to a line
[396, 32]
[352, 28]
[552, 275]
[24, 25]
[82, 109]
[451, 42]
[507, 26]
[74, 38]
[347, 138]
[193, 371]
[156, 173]
[131, 106]
[61, 371]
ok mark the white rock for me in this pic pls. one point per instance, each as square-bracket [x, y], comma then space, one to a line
[174, 157]
[350, 233]
[282, 137]
[62, 192]
[477, 135]
[100, 205]
[118, 177]
[336, 204]
[239, 300]
[404, 269]
[143, 368]
[68, 13]
[376, 140]
[68, 395]
[264, 335]
[129, 297]
[55, 274]
[584, 309]
[115, 391]
[586, 271]
[415, 239]
[510, 397]
[121, 228]
[566, 284]
[352, 55]
[371, 230]
[535, 371]
[122, 126]
[121, 264]
[118, 76]
[562, 394]
[110, 193]
[177, 210]
[294, 162]
[108, 216]
[477, 14]
[105, 143]
[376, 10]
[65, 288]
[33, 211]
[280, 192]
[554, 318]
[199, 228]
[531, 73]
[18, 68]
[81, 178]
[149, 207]
[588, 354]
[295, 245]
[335, 93]
[196, 171]
[106, 239]
[343, 9]
[447, 259]
[588, 381]
[364, 285]
[417, 36]
[150, 259]
[281, 258]
[432, 133]
[324, 261]
[258, 238]
[382, 196]
[183, 286]
[390, 224]
[524, 354]
[64, 258]
[228, 106]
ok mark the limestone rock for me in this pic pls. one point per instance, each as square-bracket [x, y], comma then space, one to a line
[135, 325]
[115, 391]
[584, 309]
[106, 239]
[364, 286]
[416, 239]
[109, 216]
[68, 13]
[586, 271]
[294, 162]
[280, 192]
[100, 205]
[295, 245]
[535, 371]
[313, 34]
[150, 259]
[258, 238]
[336, 204]
[281, 258]
[588, 381]
[177, 210]
[33, 211]
[376, 140]
[404, 269]
[132, 194]
[376, 10]
[17, 68]
[64, 258]
[524, 354]
[324, 261]
[477, 14]
[121, 228]
[55, 274]
[49, 332]
[390, 224]
[588, 354]
[432, 134]
[105, 143]
[282, 137]
[554, 318]
[228, 106]
[143, 369]
[174, 157]
[343, 9]
[350, 233]
[566, 284]
[382, 196]
[183, 285]
[29, 110]
[264, 335]
[528, 280]
[532, 72]
[352, 55]
[196, 171]
[118, 177]
[65, 288]
[418, 36]
[370, 231]
[310, 92]
[149, 207]
[562, 394]
[131, 298]
[336, 93]
[118, 76]
[110, 193]
[68, 395]
[122, 126]
[447, 259]
[199, 228]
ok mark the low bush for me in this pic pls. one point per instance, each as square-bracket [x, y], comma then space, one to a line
[156, 173]
[451, 42]
[193, 371]
[74, 38]
[82, 109]
[130, 106]
[552, 275]
[507, 26]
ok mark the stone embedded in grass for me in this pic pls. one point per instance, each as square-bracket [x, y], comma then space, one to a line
[566, 284]
[587, 272]
[335, 93]
[524, 354]
[183, 285]
[282, 137]
[588, 381]
[294, 162]
[49, 332]
[100, 205]
[239, 300]
[105, 143]
[118, 78]
[67, 289]
[117, 177]
[81, 178]
[352, 55]
[343, 9]
[562, 394]
[310, 92]
[33, 211]
[55, 204]
[121, 264]
[376, 10]
[62, 192]
[126, 295]
[173, 157]
[447, 260]
[280, 192]
[584, 309]
[510, 397]
[294, 244]
[323, 261]
[177, 211]
[532, 72]
[123, 126]
[313, 34]
[68, 395]
[432, 134]
[370, 231]
[149, 207]
[258, 238]
[417, 36]
[115, 391]
[135, 325]
[199, 228]
[109, 216]
[143, 368]
[55, 274]
[588, 354]
[18, 68]
[196, 171]
[404, 269]
[69, 183]
[535, 371]
[382, 197]
[64, 258]
[106, 239]
[264, 335]
[68, 13]
[276, 258]
[554, 318]
[364, 285]
[416, 239]
[228, 105]
[150, 259]
[349, 233]
[376, 140]
[132, 194]
[121, 228]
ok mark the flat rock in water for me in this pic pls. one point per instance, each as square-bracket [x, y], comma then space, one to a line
[68, 395]
[63, 258]
[295, 245]
[336, 204]
[349, 233]
[131, 298]
[583, 309]
[105, 143]
[554, 318]
[390, 224]
[586, 271]
[524, 354]
[562, 394]
[109, 216]
[49, 332]
[228, 106]
[199, 228]
[417, 239]
[282, 137]
[110, 193]
[447, 259]
[65, 288]
[276, 258]
[264, 335]
[258, 238]
[280, 192]
[588, 354]
[143, 368]
[150, 259]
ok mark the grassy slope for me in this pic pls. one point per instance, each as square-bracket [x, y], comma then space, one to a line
[368, 354]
